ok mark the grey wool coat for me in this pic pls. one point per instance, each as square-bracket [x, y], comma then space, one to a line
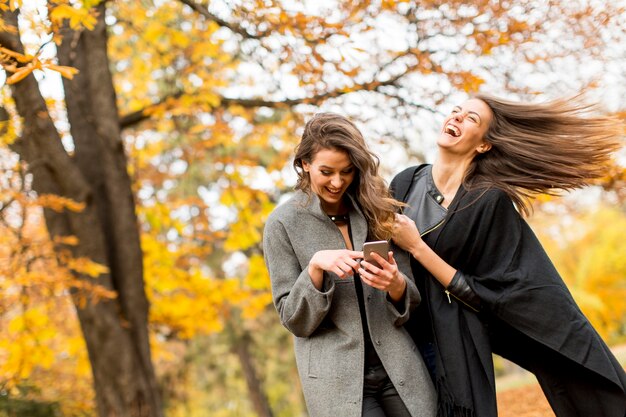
[329, 342]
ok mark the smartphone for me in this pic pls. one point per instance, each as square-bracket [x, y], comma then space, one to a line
[381, 247]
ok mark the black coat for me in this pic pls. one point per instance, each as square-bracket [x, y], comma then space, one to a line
[528, 315]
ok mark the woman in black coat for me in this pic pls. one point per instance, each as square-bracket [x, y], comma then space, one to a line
[487, 284]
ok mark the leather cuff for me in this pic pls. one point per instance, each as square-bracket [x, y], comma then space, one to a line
[461, 290]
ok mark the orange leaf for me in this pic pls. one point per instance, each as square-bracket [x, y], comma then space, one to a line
[67, 72]
[19, 75]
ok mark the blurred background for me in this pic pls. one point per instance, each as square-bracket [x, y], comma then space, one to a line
[144, 142]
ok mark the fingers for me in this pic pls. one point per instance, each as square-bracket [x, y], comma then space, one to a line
[382, 261]
[345, 265]
[401, 218]
[382, 278]
[403, 221]
[342, 271]
[382, 281]
[370, 280]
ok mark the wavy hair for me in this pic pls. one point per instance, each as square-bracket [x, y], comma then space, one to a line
[544, 148]
[333, 131]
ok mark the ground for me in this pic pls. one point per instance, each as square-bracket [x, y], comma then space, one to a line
[524, 401]
[519, 395]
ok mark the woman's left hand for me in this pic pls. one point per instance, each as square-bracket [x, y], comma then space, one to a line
[386, 278]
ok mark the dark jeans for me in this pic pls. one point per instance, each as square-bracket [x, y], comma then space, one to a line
[380, 398]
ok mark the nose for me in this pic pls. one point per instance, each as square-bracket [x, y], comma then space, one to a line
[458, 116]
[336, 181]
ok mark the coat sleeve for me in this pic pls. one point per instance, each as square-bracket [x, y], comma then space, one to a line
[488, 247]
[300, 305]
[402, 309]
[506, 265]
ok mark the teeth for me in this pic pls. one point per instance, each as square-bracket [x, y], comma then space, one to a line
[452, 130]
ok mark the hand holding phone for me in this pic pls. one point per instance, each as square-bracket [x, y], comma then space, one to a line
[380, 247]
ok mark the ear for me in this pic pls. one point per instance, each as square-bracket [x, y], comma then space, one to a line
[483, 147]
[306, 166]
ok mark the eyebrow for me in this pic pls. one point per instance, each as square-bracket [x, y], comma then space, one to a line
[472, 112]
[342, 169]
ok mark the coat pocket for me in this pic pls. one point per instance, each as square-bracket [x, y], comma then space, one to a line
[320, 353]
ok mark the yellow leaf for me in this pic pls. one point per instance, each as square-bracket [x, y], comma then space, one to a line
[58, 203]
[66, 240]
[87, 266]
[21, 58]
[67, 72]
[19, 75]
[77, 17]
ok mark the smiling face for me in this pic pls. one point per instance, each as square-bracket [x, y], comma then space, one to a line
[464, 130]
[331, 173]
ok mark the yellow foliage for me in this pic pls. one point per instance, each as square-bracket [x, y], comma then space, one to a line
[20, 74]
[67, 72]
[58, 203]
[466, 81]
[66, 240]
[86, 266]
[241, 236]
[255, 305]
[7, 133]
[40, 340]
[588, 251]
[21, 58]
[77, 16]
[257, 278]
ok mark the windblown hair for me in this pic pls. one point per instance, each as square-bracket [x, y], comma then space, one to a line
[543, 148]
[335, 132]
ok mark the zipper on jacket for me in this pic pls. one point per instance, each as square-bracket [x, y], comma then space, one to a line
[448, 294]
[422, 234]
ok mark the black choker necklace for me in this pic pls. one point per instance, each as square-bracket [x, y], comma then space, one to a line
[339, 218]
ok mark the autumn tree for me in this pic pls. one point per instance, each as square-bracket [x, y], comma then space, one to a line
[169, 144]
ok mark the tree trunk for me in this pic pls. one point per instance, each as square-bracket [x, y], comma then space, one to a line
[115, 331]
[240, 346]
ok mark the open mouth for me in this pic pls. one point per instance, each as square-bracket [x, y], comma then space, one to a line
[452, 130]
[333, 191]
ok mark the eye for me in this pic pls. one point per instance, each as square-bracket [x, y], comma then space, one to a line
[326, 173]
[473, 119]
[348, 171]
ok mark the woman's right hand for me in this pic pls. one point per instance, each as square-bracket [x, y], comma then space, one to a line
[405, 234]
[341, 262]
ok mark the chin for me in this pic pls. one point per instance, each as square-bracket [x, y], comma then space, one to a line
[446, 141]
[333, 198]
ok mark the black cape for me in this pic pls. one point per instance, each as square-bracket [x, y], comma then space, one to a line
[528, 315]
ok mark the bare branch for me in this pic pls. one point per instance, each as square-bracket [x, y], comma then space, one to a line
[134, 118]
[204, 11]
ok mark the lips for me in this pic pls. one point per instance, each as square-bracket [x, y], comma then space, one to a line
[452, 130]
[333, 191]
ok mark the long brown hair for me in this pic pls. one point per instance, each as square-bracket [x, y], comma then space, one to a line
[333, 131]
[543, 148]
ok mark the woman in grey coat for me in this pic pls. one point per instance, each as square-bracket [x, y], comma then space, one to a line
[353, 354]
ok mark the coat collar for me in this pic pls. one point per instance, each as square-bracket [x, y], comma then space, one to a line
[358, 225]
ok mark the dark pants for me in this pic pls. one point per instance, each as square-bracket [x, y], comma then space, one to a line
[380, 398]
